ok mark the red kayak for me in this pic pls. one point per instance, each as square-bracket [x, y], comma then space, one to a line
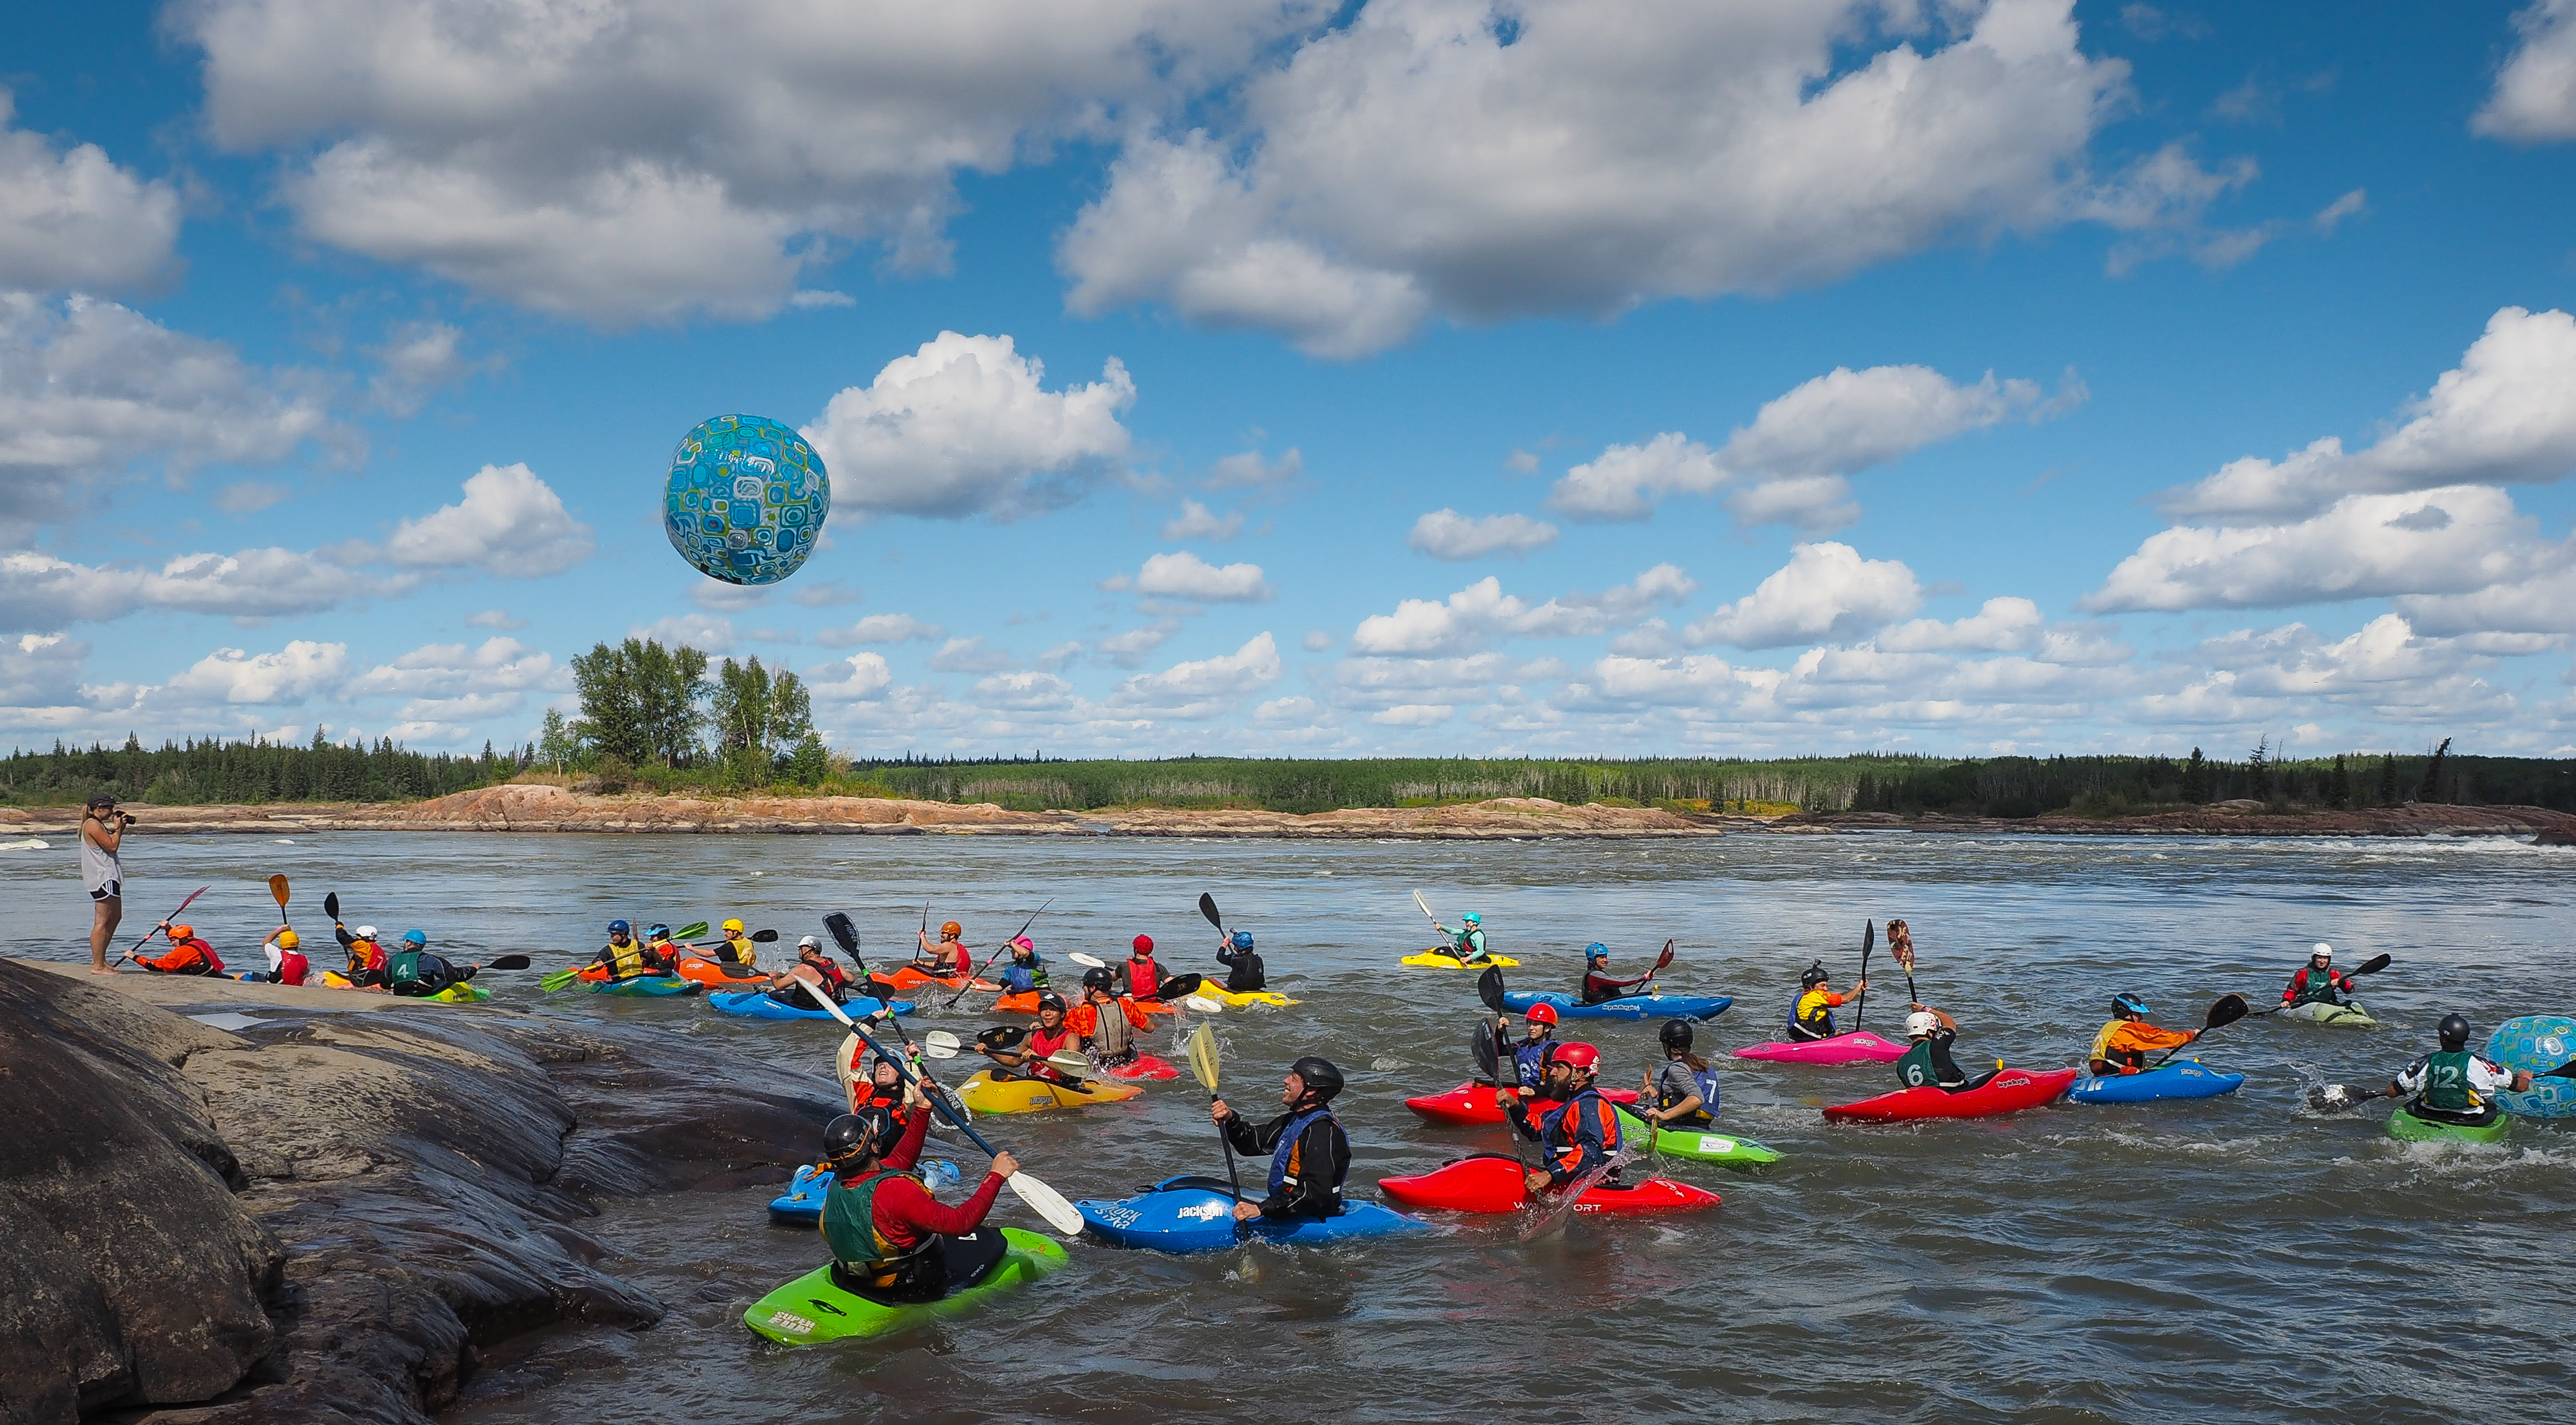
[2009, 1091]
[1490, 1182]
[1474, 1103]
[1143, 1066]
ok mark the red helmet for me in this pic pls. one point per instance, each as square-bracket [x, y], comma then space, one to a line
[1144, 945]
[1579, 1055]
[1540, 1013]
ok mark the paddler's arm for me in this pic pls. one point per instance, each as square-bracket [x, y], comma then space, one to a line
[907, 1149]
[1245, 1136]
[907, 1203]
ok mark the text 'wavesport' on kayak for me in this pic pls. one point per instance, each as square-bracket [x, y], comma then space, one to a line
[1196, 1214]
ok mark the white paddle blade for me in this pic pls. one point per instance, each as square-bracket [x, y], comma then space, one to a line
[1201, 1051]
[939, 1039]
[1046, 1202]
[1200, 1004]
[1088, 961]
[816, 991]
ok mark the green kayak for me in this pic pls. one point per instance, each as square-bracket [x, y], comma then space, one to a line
[1709, 1146]
[2342, 1016]
[813, 1308]
[2406, 1126]
[461, 994]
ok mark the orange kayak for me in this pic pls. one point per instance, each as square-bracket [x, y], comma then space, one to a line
[717, 976]
[913, 978]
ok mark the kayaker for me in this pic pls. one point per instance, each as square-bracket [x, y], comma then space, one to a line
[2316, 981]
[366, 956]
[417, 974]
[187, 954]
[1026, 973]
[1466, 943]
[1106, 1021]
[286, 964]
[1598, 985]
[1023, 1053]
[1578, 1132]
[1243, 972]
[1538, 1036]
[2124, 1044]
[1139, 976]
[659, 953]
[622, 956]
[738, 947]
[2451, 1085]
[1813, 1016]
[948, 958]
[814, 968]
[891, 1240]
[1309, 1153]
[884, 1086]
[1684, 1091]
[1928, 1063]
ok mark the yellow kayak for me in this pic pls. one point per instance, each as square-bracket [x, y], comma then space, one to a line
[1440, 960]
[1222, 995]
[983, 1095]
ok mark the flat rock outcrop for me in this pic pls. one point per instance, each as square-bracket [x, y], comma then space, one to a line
[2229, 818]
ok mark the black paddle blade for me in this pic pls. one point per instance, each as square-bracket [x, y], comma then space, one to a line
[1489, 988]
[2371, 966]
[2228, 1010]
[764, 937]
[331, 905]
[1488, 1058]
[2334, 1098]
[1868, 937]
[844, 934]
[1207, 907]
[509, 962]
[2563, 1071]
[1179, 985]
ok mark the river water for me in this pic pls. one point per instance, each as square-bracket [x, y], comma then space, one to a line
[2231, 1258]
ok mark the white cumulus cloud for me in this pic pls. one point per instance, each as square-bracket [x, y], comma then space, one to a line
[1826, 591]
[2444, 541]
[858, 678]
[1206, 687]
[230, 675]
[1197, 521]
[1475, 616]
[509, 523]
[2534, 100]
[1447, 534]
[73, 218]
[1185, 576]
[879, 628]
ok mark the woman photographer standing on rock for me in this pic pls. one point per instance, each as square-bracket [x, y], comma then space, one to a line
[102, 832]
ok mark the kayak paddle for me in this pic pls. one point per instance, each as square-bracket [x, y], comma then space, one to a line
[277, 888]
[1207, 907]
[557, 979]
[2371, 966]
[165, 922]
[1041, 1199]
[1553, 1215]
[1426, 910]
[996, 955]
[331, 906]
[1489, 988]
[1868, 938]
[1092, 962]
[506, 962]
[1203, 1067]
[2225, 1011]
[764, 937]
[1901, 950]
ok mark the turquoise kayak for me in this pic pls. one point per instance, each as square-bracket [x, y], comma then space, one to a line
[817, 1307]
[643, 986]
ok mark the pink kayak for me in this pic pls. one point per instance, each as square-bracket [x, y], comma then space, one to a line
[1858, 1047]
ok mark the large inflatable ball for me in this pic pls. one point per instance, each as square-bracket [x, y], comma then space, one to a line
[745, 500]
[2538, 1042]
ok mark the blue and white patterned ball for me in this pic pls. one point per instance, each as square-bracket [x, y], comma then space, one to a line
[745, 500]
[2538, 1042]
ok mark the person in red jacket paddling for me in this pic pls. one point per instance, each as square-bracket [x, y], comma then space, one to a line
[187, 955]
[891, 1241]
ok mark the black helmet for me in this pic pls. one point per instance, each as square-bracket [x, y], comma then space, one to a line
[1097, 979]
[857, 1135]
[1001, 1037]
[1676, 1034]
[2454, 1030]
[1051, 1000]
[1322, 1080]
[1813, 976]
[2127, 1004]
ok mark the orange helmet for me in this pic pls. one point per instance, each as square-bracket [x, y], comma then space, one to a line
[951, 931]
[183, 932]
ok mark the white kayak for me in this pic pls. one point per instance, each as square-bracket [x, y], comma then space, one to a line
[2343, 1016]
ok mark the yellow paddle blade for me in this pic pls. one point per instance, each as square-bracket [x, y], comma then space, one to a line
[1203, 1057]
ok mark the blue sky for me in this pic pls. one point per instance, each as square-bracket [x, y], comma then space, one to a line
[1290, 378]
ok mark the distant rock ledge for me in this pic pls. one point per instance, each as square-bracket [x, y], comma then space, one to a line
[2229, 818]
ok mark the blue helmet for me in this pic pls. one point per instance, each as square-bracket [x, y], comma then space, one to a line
[1240, 940]
[414, 937]
[2128, 1004]
[660, 931]
[1595, 950]
[619, 927]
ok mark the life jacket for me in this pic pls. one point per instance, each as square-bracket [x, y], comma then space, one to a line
[2123, 1060]
[1812, 1016]
[1530, 1061]
[836, 979]
[1284, 1164]
[185, 957]
[867, 1091]
[1920, 1066]
[418, 973]
[625, 961]
[1112, 1037]
[862, 1250]
[2313, 988]
[292, 967]
[1558, 1127]
[1144, 978]
[1469, 945]
[745, 953]
[1244, 973]
[366, 955]
[2446, 1083]
[662, 955]
[1044, 1043]
[1019, 979]
[1703, 1083]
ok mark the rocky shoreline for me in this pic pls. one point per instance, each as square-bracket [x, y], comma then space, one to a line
[206, 1235]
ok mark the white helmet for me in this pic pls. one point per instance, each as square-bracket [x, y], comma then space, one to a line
[1921, 1024]
[809, 941]
[366, 932]
[2321, 948]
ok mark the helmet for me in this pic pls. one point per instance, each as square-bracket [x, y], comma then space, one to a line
[366, 932]
[1676, 1034]
[811, 946]
[1143, 945]
[414, 938]
[1322, 1080]
[1921, 1024]
[183, 932]
[1595, 951]
[1579, 1056]
[2128, 1004]
[1240, 940]
[732, 926]
[1540, 1013]
[951, 930]
[1098, 979]
[288, 940]
[808, 942]
[1812, 976]
[1050, 1001]
[1022, 942]
[1003, 1036]
[856, 1135]
[2321, 951]
[2454, 1030]
[660, 932]
[1472, 918]
[615, 927]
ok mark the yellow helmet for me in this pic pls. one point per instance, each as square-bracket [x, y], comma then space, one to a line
[288, 940]
[733, 927]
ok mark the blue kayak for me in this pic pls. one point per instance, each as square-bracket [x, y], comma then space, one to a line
[1197, 1215]
[1633, 1007]
[756, 1004]
[802, 1203]
[2186, 1079]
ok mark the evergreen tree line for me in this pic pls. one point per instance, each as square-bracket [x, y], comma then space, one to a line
[215, 772]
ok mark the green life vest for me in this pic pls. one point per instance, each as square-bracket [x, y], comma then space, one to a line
[2446, 1082]
[1470, 945]
[1917, 1069]
[2318, 988]
[850, 1230]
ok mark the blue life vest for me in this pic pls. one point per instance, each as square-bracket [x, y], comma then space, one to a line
[1288, 1146]
[1530, 1061]
[1018, 979]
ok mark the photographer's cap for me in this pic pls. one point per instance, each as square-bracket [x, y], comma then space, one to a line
[101, 799]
